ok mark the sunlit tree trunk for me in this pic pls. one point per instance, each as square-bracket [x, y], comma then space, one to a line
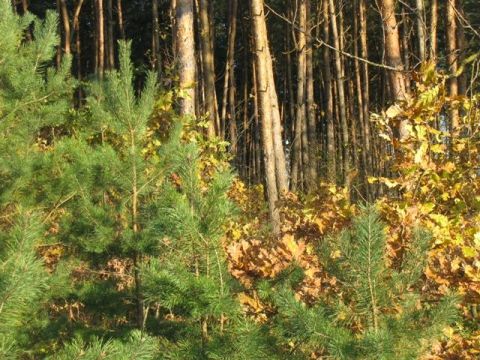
[433, 30]
[331, 153]
[452, 59]
[208, 69]
[397, 79]
[185, 55]
[312, 142]
[100, 39]
[110, 36]
[62, 7]
[121, 24]
[421, 30]
[229, 87]
[297, 163]
[157, 60]
[342, 105]
[264, 97]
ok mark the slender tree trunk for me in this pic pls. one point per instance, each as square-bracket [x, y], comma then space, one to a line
[111, 36]
[185, 53]
[62, 6]
[100, 39]
[342, 105]
[263, 83]
[121, 24]
[208, 67]
[280, 161]
[297, 164]
[312, 147]
[397, 78]
[462, 78]
[433, 30]
[421, 30]
[78, 44]
[331, 153]
[157, 59]
[228, 101]
[452, 59]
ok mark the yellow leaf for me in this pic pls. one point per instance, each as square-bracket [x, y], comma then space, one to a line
[448, 331]
[427, 208]
[476, 240]
[440, 219]
[469, 252]
[420, 153]
[438, 148]
[389, 183]
[449, 167]
[455, 265]
[393, 111]
[335, 254]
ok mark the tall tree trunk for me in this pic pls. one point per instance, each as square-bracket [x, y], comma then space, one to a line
[452, 59]
[421, 30]
[312, 147]
[208, 67]
[462, 78]
[157, 57]
[228, 100]
[433, 30]
[263, 83]
[78, 44]
[280, 161]
[342, 105]
[185, 54]
[397, 79]
[297, 163]
[62, 6]
[365, 91]
[331, 153]
[121, 24]
[100, 39]
[110, 36]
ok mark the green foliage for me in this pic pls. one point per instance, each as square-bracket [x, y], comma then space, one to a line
[23, 282]
[380, 312]
[112, 236]
[33, 95]
[136, 347]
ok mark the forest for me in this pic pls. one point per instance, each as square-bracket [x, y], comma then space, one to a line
[240, 179]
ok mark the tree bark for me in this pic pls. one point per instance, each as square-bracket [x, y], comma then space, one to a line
[263, 83]
[452, 59]
[62, 6]
[297, 163]
[421, 30]
[185, 54]
[110, 36]
[208, 68]
[280, 161]
[331, 152]
[312, 149]
[121, 24]
[433, 30]
[342, 105]
[397, 79]
[229, 86]
[100, 39]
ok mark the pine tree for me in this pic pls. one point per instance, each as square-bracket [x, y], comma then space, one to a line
[189, 280]
[381, 313]
[34, 99]
[23, 282]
